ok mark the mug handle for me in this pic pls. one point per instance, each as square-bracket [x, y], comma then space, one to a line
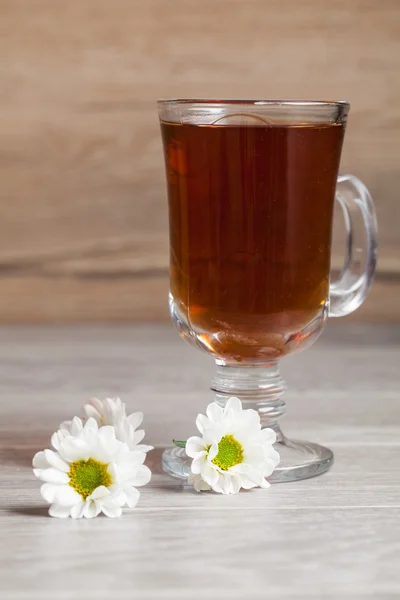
[349, 291]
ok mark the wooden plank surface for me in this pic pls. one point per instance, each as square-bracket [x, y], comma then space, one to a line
[335, 536]
[82, 203]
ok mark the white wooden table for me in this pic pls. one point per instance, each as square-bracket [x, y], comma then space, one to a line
[336, 536]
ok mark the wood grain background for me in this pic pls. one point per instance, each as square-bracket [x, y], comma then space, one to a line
[83, 220]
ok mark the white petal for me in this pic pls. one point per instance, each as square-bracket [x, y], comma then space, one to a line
[268, 467]
[247, 483]
[67, 496]
[117, 495]
[124, 432]
[141, 477]
[236, 469]
[143, 448]
[268, 436]
[198, 483]
[245, 435]
[209, 474]
[198, 463]
[72, 449]
[91, 510]
[108, 439]
[264, 483]
[233, 405]
[78, 510]
[250, 418]
[235, 484]
[134, 458]
[194, 445]
[65, 427]
[273, 455]
[213, 451]
[254, 454]
[135, 419]
[114, 411]
[97, 405]
[109, 412]
[100, 451]
[214, 412]
[60, 512]
[99, 492]
[76, 426]
[115, 407]
[126, 467]
[251, 470]
[218, 486]
[52, 475]
[91, 424]
[91, 412]
[49, 492]
[201, 485]
[92, 440]
[55, 460]
[132, 496]
[40, 461]
[201, 423]
[112, 511]
[57, 438]
[115, 475]
[138, 436]
[226, 485]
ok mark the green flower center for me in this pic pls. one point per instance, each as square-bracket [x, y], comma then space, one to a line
[87, 475]
[230, 453]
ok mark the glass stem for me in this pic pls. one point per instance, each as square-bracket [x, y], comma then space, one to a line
[258, 387]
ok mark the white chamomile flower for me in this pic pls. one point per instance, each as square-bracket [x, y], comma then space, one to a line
[89, 471]
[233, 451]
[112, 411]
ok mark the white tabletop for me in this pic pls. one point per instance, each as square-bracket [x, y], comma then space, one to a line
[336, 536]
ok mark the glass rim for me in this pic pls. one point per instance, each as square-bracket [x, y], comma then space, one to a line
[254, 102]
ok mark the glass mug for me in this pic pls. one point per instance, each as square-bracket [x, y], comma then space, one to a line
[251, 189]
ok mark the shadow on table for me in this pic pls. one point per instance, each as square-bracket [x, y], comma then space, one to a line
[29, 511]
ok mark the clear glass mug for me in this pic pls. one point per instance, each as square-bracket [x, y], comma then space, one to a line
[251, 189]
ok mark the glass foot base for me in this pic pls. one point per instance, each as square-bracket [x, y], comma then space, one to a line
[299, 460]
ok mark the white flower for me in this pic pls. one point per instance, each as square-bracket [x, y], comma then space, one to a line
[90, 471]
[112, 411]
[233, 452]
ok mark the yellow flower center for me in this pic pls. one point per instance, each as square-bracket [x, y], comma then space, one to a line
[86, 475]
[230, 453]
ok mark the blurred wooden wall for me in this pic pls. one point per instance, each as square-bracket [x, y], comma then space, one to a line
[83, 219]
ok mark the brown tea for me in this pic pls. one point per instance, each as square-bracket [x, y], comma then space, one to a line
[250, 232]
